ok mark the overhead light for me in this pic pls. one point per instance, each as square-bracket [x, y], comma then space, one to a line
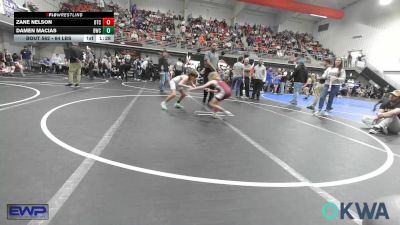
[385, 2]
[318, 16]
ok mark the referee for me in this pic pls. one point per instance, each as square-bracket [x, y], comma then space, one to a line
[75, 58]
[211, 64]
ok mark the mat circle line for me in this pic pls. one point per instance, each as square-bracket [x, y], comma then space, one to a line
[43, 123]
[55, 82]
[37, 93]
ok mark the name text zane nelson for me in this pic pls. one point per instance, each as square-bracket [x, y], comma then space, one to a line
[33, 22]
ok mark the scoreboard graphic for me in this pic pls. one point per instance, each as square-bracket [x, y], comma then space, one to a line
[95, 27]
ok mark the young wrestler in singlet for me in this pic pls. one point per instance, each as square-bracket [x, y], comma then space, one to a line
[178, 83]
[222, 91]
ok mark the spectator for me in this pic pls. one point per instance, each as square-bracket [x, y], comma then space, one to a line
[309, 85]
[237, 81]
[299, 77]
[57, 62]
[202, 41]
[160, 27]
[17, 64]
[178, 67]
[349, 60]
[124, 67]
[151, 70]
[283, 83]
[27, 57]
[385, 97]
[318, 86]
[15, 57]
[9, 62]
[268, 80]
[134, 36]
[2, 62]
[45, 65]
[105, 66]
[277, 80]
[183, 30]
[65, 66]
[246, 75]
[258, 79]
[335, 76]
[164, 68]
[144, 65]
[89, 62]
[387, 120]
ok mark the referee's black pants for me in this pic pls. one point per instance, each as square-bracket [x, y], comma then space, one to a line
[205, 93]
[257, 86]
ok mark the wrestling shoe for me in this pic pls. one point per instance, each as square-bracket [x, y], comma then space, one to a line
[376, 129]
[228, 113]
[164, 106]
[318, 113]
[178, 106]
[385, 130]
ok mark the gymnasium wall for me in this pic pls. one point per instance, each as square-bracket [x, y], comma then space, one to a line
[7, 41]
[251, 17]
[175, 6]
[43, 5]
[378, 26]
[207, 10]
[296, 25]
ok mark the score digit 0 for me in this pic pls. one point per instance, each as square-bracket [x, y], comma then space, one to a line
[108, 21]
[108, 30]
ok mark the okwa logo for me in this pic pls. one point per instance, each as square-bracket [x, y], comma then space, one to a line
[375, 211]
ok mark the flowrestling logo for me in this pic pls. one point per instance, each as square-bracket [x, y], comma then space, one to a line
[27, 211]
[376, 211]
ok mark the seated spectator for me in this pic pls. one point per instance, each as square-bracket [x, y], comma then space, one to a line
[134, 36]
[57, 63]
[45, 65]
[105, 66]
[65, 66]
[17, 63]
[387, 120]
[2, 63]
[9, 63]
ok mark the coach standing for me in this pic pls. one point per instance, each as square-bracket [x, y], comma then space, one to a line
[164, 71]
[258, 79]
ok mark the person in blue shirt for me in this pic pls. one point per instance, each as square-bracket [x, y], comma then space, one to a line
[26, 56]
[268, 79]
